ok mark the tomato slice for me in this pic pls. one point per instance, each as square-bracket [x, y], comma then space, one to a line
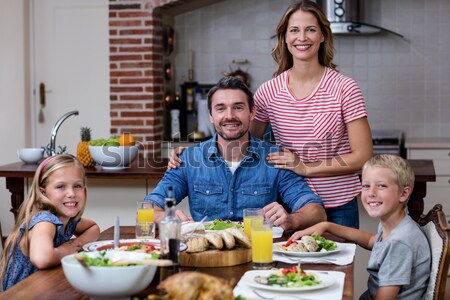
[289, 242]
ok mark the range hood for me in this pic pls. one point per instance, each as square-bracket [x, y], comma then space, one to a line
[344, 18]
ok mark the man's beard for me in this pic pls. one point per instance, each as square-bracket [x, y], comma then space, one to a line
[224, 136]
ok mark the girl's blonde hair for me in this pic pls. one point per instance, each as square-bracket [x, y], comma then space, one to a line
[280, 52]
[401, 170]
[36, 202]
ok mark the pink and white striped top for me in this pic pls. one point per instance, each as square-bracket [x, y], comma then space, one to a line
[315, 127]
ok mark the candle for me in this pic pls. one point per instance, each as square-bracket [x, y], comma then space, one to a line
[116, 233]
[190, 59]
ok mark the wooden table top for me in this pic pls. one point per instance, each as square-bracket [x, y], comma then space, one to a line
[52, 284]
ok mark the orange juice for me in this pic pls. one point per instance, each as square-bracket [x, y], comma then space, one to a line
[145, 215]
[262, 247]
[247, 223]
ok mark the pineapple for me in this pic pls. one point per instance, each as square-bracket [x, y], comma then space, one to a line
[83, 148]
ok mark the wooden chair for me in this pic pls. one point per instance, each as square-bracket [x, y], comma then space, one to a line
[1, 237]
[437, 231]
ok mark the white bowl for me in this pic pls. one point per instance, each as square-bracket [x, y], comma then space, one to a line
[30, 155]
[118, 282]
[114, 157]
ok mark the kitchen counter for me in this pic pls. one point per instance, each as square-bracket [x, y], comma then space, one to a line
[16, 173]
[428, 143]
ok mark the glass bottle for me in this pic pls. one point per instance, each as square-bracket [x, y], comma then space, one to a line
[169, 234]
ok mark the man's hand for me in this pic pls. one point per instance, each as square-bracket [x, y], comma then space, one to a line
[182, 216]
[276, 214]
[174, 159]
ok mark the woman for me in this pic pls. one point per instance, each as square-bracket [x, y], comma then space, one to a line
[317, 115]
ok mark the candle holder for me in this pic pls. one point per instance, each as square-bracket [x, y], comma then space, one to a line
[191, 75]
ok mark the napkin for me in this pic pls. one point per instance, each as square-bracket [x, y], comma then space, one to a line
[190, 226]
[333, 292]
[342, 258]
[277, 232]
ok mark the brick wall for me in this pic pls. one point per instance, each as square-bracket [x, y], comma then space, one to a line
[136, 70]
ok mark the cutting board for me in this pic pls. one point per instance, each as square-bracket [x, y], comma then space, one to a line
[216, 258]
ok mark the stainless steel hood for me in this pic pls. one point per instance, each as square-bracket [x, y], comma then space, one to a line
[344, 18]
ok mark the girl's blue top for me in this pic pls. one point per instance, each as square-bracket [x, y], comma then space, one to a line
[21, 267]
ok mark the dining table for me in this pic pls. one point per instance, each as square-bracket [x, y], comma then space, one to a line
[52, 283]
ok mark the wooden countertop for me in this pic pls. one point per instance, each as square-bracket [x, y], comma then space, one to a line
[427, 143]
[140, 168]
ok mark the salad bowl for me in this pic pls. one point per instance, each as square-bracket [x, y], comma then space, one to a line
[109, 282]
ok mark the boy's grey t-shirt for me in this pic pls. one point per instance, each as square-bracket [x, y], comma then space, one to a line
[403, 259]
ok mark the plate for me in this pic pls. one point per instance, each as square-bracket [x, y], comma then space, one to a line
[236, 225]
[339, 247]
[249, 278]
[109, 245]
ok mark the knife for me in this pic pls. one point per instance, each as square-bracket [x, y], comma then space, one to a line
[116, 233]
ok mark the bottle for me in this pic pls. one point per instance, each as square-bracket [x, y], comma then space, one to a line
[169, 234]
[175, 123]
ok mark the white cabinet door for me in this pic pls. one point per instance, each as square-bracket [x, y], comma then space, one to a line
[70, 54]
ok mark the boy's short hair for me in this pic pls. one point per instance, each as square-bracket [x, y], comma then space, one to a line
[401, 170]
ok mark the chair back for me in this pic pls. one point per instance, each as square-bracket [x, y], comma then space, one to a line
[437, 231]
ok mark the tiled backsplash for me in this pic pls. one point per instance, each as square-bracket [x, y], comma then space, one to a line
[406, 82]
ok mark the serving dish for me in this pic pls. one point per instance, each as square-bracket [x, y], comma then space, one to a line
[339, 247]
[109, 244]
[325, 279]
[109, 282]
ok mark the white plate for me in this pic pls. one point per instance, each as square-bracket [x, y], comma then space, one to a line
[249, 278]
[95, 245]
[339, 247]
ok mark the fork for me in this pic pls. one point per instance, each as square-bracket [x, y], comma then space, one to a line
[319, 260]
[277, 297]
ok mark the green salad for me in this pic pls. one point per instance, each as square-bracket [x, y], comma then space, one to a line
[291, 277]
[102, 261]
[323, 243]
[219, 224]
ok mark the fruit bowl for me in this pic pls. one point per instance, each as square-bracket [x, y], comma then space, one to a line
[109, 282]
[114, 157]
[30, 155]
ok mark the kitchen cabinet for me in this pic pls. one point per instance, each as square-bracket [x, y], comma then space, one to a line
[438, 150]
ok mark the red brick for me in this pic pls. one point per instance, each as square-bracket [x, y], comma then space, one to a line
[127, 122]
[134, 14]
[135, 49]
[136, 32]
[120, 106]
[125, 57]
[125, 41]
[125, 89]
[125, 23]
[131, 114]
[139, 97]
[126, 74]
[136, 81]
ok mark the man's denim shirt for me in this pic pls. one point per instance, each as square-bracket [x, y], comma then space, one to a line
[215, 192]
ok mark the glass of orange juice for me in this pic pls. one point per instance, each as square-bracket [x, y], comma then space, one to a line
[252, 214]
[262, 243]
[145, 222]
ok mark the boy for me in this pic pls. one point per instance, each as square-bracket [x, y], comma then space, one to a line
[400, 262]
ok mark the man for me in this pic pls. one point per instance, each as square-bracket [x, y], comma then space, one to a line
[228, 173]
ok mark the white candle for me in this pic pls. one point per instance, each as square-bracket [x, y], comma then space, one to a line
[190, 59]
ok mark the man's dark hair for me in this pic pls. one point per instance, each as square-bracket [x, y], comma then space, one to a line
[233, 83]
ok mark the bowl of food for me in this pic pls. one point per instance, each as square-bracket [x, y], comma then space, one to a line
[30, 155]
[101, 279]
[114, 157]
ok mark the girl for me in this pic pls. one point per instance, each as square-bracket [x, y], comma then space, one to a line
[47, 219]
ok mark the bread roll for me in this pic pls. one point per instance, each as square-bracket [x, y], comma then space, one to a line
[197, 244]
[310, 243]
[227, 238]
[214, 239]
[241, 237]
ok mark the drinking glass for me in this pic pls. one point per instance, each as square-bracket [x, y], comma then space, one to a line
[252, 214]
[262, 243]
[145, 222]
